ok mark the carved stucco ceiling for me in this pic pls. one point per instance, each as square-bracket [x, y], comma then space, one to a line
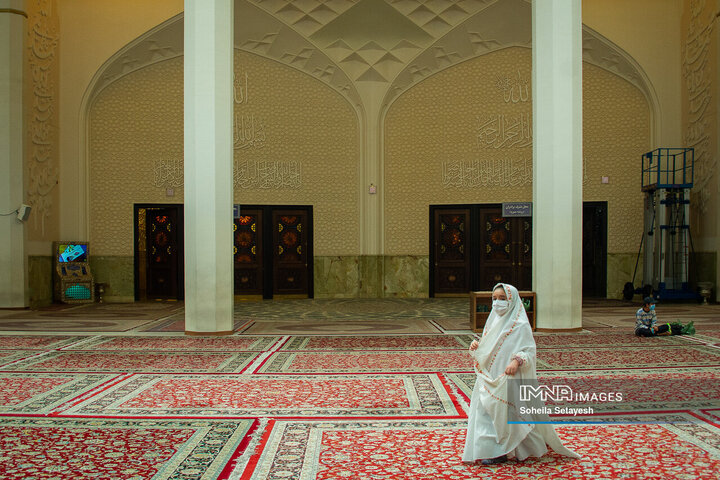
[381, 45]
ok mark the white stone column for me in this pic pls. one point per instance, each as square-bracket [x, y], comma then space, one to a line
[208, 166]
[13, 259]
[557, 162]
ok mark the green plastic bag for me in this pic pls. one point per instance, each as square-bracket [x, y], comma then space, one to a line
[688, 329]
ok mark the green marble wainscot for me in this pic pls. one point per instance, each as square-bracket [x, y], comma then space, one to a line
[117, 273]
[371, 276]
[620, 268]
[407, 276]
[40, 280]
[336, 277]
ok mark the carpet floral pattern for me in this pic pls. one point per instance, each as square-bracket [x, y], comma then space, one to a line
[686, 355]
[409, 326]
[332, 389]
[82, 448]
[39, 342]
[9, 357]
[43, 393]
[177, 343]
[346, 362]
[432, 450]
[709, 335]
[408, 342]
[641, 390]
[609, 340]
[266, 395]
[135, 361]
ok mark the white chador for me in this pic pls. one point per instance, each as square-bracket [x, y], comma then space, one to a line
[489, 435]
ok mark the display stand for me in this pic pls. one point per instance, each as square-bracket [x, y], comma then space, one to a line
[72, 280]
[481, 304]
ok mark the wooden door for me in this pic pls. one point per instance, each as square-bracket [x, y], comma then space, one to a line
[594, 249]
[522, 236]
[505, 250]
[495, 258]
[162, 253]
[290, 269]
[451, 251]
[248, 252]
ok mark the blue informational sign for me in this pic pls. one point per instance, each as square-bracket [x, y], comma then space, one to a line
[236, 211]
[517, 209]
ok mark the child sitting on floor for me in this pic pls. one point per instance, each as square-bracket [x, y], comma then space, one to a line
[645, 320]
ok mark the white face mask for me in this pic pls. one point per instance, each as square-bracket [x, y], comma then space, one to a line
[500, 306]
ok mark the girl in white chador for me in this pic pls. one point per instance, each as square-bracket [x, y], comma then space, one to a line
[507, 348]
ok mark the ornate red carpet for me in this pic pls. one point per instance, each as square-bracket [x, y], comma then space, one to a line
[423, 450]
[138, 402]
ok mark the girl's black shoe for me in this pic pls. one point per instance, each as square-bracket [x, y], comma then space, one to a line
[494, 461]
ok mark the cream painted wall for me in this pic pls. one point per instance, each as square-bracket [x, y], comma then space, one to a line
[439, 122]
[91, 31]
[136, 126]
[649, 31]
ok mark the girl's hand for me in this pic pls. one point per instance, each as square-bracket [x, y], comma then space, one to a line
[474, 345]
[512, 368]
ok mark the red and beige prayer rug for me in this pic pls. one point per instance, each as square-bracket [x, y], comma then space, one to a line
[79, 448]
[430, 450]
[140, 401]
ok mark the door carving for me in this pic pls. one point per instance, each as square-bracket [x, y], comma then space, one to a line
[290, 249]
[248, 252]
[158, 252]
[452, 255]
[506, 250]
[474, 247]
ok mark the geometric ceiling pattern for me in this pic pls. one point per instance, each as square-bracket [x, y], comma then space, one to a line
[370, 51]
[372, 40]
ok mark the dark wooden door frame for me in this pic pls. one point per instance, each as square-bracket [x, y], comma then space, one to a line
[602, 277]
[267, 211]
[440, 264]
[254, 269]
[474, 234]
[180, 245]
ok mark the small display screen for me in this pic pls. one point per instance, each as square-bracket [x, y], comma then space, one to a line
[72, 253]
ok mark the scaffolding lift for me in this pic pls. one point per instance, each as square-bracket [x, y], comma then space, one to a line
[667, 177]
